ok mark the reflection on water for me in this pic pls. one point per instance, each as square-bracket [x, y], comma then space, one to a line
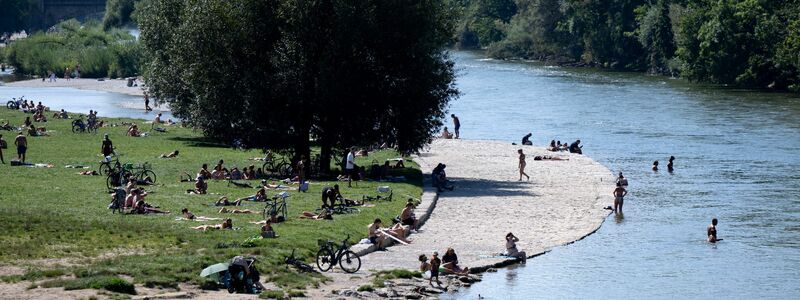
[81, 101]
[737, 160]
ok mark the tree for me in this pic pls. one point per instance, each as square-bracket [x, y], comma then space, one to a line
[15, 15]
[656, 36]
[279, 73]
[118, 13]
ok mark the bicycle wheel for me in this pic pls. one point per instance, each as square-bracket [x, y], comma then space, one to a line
[112, 180]
[324, 259]
[105, 169]
[350, 262]
[147, 173]
[11, 105]
[76, 128]
[285, 170]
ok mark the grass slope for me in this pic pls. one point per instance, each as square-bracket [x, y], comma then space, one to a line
[51, 214]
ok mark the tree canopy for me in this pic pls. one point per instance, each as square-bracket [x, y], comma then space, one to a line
[280, 73]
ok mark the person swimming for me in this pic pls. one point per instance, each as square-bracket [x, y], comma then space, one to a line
[669, 164]
[711, 231]
[655, 166]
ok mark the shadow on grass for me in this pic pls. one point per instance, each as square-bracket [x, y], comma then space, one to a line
[199, 142]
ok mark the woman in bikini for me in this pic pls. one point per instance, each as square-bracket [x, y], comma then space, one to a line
[522, 165]
[227, 224]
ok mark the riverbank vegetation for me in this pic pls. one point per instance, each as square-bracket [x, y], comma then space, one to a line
[113, 53]
[57, 226]
[282, 73]
[749, 43]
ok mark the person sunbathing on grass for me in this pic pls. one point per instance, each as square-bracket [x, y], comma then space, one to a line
[142, 207]
[324, 215]
[219, 171]
[200, 187]
[170, 155]
[223, 201]
[225, 210]
[227, 224]
[186, 214]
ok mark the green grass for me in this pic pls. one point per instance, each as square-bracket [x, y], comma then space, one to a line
[109, 283]
[54, 213]
[272, 295]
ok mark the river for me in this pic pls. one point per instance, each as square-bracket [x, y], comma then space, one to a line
[738, 159]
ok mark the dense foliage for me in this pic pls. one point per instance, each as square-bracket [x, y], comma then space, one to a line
[99, 53]
[741, 42]
[279, 73]
[16, 15]
[118, 13]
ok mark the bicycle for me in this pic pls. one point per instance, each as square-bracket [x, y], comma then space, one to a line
[272, 208]
[15, 103]
[327, 257]
[276, 167]
[109, 165]
[119, 175]
[345, 206]
[300, 265]
[78, 126]
[142, 172]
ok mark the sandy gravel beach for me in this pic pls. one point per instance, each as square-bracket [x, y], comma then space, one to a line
[108, 85]
[562, 202]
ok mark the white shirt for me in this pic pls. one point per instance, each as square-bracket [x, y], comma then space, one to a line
[350, 158]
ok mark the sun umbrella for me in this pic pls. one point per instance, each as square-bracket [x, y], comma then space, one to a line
[213, 270]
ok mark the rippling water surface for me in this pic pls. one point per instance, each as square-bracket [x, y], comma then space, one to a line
[738, 159]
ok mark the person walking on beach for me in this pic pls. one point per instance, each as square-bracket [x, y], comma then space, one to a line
[456, 125]
[22, 146]
[619, 195]
[669, 164]
[711, 232]
[107, 148]
[522, 166]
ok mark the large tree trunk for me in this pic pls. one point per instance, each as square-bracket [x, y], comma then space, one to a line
[325, 158]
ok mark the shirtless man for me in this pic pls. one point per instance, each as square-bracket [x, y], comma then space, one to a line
[670, 165]
[330, 193]
[456, 125]
[619, 194]
[22, 146]
[711, 232]
[2, 142]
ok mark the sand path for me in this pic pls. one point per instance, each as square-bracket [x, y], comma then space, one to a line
[107, 85]
[562, 202]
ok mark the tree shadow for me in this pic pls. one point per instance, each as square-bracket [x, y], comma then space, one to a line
[199, 142]
[473, 187]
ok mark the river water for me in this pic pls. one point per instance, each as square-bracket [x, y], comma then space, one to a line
[738, 159]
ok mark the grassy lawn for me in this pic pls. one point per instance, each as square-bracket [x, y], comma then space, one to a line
[53, 213]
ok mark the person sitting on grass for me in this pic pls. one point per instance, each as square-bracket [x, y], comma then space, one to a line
[133, 131]
[133, 196]
[158, 120]
[223, 201]
[407, 217]
[200, 186]
[204, 172]
[266, 231]
[260, 196]
[235, 174]
[219, 171]
[225, 210]
[227, 224]
[511, 248]
[325, 214]
[450, 263]
[250, 173]
[172, 154]
[27, 122]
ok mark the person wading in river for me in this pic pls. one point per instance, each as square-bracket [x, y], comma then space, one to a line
[456, 125]
[619, 196]
[712, 231]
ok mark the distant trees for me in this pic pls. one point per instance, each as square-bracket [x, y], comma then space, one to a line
[742, 42]
[15, 15]
[118, 13]
[280, 73]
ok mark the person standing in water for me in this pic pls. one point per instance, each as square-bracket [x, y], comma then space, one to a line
[621, 180]
[669, 164]
[711, 232]
[655, 166]
[619, 197]
[522, 165]
[456, 125]
[147, 102]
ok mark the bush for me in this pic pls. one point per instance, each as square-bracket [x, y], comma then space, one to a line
[109, 283]
[366, 288]
[272, 295]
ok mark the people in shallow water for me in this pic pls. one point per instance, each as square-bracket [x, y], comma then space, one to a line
[621, 180]
[619, 196]
[655, 166]
[669, 164]
[712, 231]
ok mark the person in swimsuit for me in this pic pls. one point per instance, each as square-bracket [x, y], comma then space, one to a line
[511, 248]
[186, 214]
[434, 265]
[619, 195]
[330, 194]
[227, 224]
[450, 263]
[22, 146]
[147, 102]
[621, 180]
[456, 125]
[373, 233]
[655, 166]
[107, 147]
[669, 164]
[522, 165]
[711, 232]
[407, 216]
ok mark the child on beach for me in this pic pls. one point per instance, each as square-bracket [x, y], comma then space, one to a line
[434, 265]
